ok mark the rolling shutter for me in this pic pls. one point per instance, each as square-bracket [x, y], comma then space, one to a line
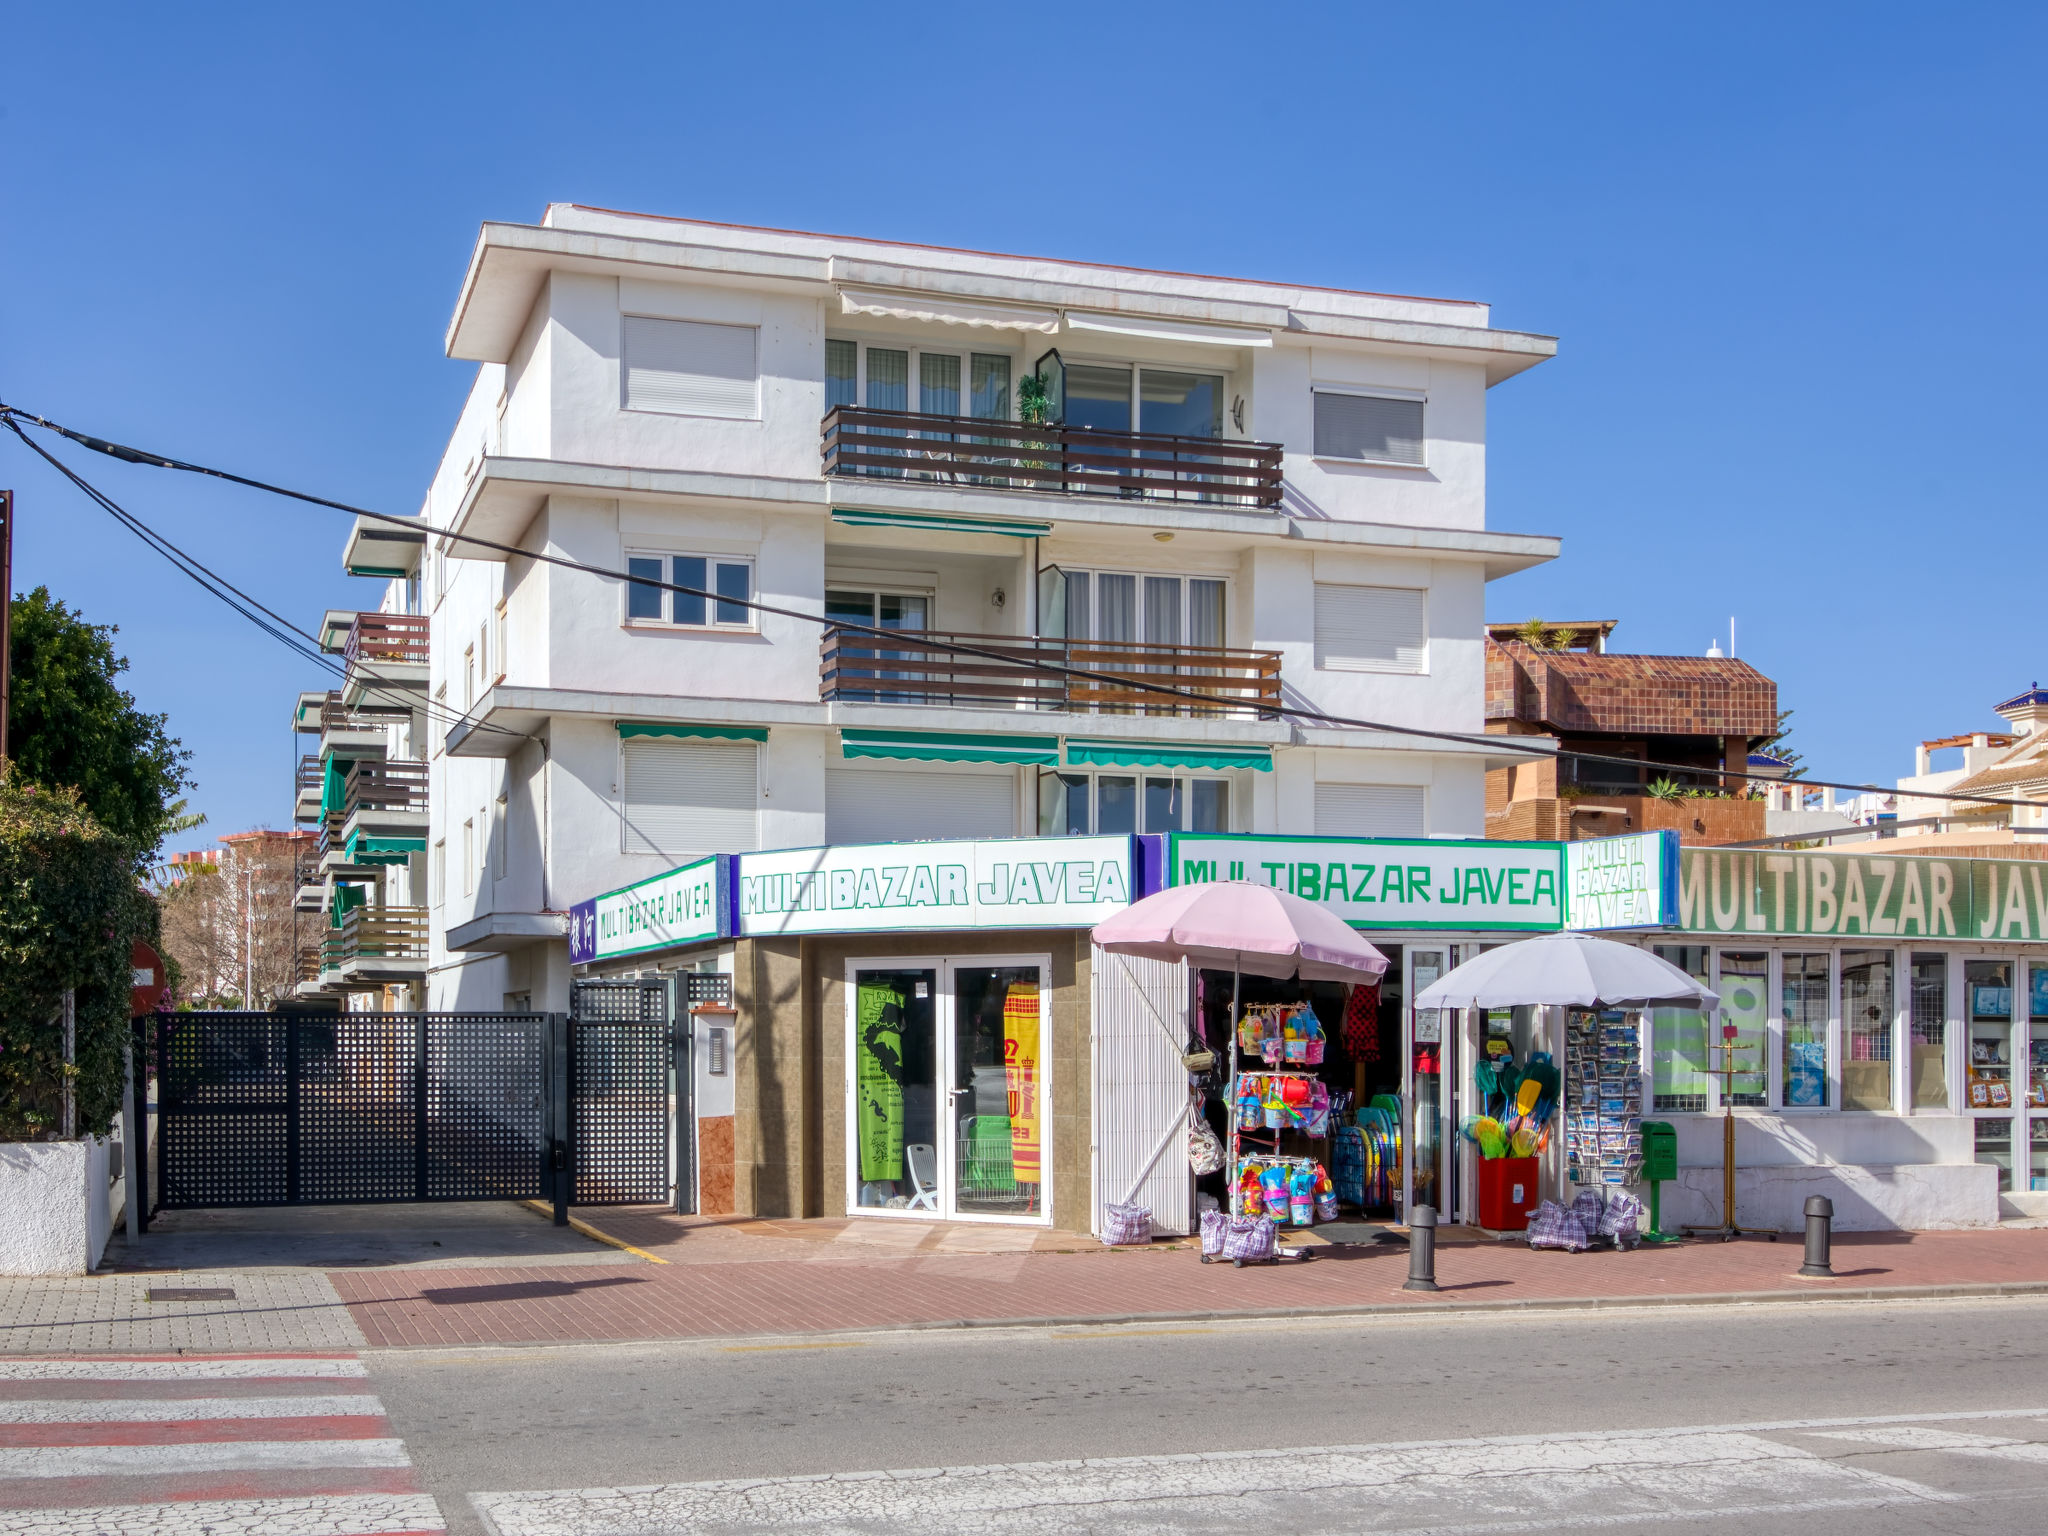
[1370, 629]
[684, 799]
[881, 805]
[1370, 810]
[1368, 427]
[691, 368]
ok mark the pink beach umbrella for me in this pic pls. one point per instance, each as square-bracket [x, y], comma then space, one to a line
[1239, 926]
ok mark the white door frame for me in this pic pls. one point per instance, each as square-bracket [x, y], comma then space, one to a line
[944, 968]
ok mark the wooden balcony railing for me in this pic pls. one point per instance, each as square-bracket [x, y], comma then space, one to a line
[384, 786]
[912, 668]
[310, 775]
[1015, 455]
[384, 934]
[388, 637]
[310, 962]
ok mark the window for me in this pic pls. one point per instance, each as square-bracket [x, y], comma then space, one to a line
[1987, 1004]
[1744, 986]
[1370, 629]
[690, 368]
[483, 656]
[1805, 991]
[1678, 1040]
[1927, 1027]
[1117, 397]
[1131, 606]
[1374, 429]
[949, 383]
[468, 676]
[729, 579]
[468, 858]
[1371, 810]
[499, 835]
[1076, 804]
[1867, 1011]
[842, 373]
[498, 643]
[907, 611]
[689, 798]
[485, 834]
[437, 875]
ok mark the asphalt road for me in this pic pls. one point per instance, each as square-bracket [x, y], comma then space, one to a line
[1865, 1418]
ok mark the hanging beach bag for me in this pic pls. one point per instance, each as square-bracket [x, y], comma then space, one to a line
[1126, 1225]
[1205, 1149]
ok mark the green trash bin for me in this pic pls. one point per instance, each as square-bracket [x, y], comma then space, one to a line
[1660, 1162]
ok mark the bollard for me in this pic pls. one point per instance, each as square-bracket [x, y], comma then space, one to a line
[1421, 1249]
[1820, 1215]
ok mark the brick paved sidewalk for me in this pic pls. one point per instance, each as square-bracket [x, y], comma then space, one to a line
[853, 1276]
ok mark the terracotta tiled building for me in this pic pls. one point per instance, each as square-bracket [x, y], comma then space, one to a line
[1702, 713]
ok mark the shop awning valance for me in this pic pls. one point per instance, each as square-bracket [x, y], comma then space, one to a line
[1166, 754]
[947, 311]
[934, 522]
[631, 728]
[950, 747]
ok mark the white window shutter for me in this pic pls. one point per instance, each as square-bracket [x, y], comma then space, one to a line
[1370, 629]
[684, 799]
[1370, 810]
[691, 368]
[1370, 427]
[879, 805]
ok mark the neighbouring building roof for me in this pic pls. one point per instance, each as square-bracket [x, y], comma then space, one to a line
[1573, 691]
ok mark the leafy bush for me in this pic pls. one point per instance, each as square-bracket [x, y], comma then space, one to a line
[70, 910]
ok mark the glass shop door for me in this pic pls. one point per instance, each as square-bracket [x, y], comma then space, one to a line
[1427, 1036]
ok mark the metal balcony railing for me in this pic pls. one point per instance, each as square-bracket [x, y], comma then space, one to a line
[915, 668]
[1020, 456]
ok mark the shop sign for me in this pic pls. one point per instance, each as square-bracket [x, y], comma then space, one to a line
[684, 906]
[1038, 882]
[1389, 882]
[1863, 895]
[1622, 882]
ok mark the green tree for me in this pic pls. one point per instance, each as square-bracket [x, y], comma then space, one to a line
[70, 723]
[1777, 744]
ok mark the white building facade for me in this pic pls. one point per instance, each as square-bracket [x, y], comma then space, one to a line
[1267, 490]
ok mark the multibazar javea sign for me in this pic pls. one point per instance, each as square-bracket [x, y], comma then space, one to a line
[1390, 882]
[1758, 891]
[1033, 882]
[683, 906]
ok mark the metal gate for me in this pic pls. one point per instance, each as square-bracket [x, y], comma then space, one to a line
[343, 1108]
[622, 1081]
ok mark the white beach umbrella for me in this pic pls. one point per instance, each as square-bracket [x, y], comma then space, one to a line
[1571, 970]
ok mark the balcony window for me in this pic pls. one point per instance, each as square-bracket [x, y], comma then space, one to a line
[1117, 397]
[728, 580]
[1373, 429]
[690, 368]
[1124, 605]
[1076, 804]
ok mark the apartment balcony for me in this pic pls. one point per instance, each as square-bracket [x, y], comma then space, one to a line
[383, 815]
[381, 945]
[344, 732]
[914, 668]
[306, 786]
[1056, 460]
[385, 655]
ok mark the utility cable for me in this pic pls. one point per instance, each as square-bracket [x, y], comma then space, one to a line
[1311, 717]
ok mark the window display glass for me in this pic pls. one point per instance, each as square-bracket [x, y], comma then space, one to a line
[1745, 1001]
[2037, 1178]
[1994, 1146]
[998, 1109]
[1927, 1060]
[2037, 1040]
[1866, 1029]
[1678, 1039]
[895, 1090]
[1428, 1062]
[1804, 989]
[1987, 1000]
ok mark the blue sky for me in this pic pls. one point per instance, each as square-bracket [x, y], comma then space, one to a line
[1792, 254]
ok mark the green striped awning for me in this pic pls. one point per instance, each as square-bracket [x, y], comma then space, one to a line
[1166, 754]
[631, 728]
[362, 848]
[950, 747]
[939, 522]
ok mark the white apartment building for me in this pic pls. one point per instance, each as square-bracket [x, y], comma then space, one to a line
[1269, 490]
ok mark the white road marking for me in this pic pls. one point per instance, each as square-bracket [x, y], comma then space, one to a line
[125, 1410]
[1907, 1437]
[1509, 1483]
[354, 1514]
[86, 1368]
[216, 1456]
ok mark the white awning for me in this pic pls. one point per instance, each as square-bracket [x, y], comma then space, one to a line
[1170, 330]
[901, 306]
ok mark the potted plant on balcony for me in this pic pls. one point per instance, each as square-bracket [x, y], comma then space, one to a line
[1034, 409]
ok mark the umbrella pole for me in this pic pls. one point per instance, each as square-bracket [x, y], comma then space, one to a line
[1230, 1102]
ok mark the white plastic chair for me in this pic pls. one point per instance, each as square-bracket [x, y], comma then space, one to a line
[921, 1159]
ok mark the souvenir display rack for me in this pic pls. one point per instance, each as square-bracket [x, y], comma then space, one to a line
[1603, 1108]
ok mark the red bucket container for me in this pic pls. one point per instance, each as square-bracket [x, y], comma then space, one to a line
[1507, 1193]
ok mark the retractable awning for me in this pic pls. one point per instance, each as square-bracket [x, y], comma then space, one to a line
[363, 848]
[1166, 754]
[934, 522]
[1159, 329]
[950, 747]
[947, 311]
[630, 728]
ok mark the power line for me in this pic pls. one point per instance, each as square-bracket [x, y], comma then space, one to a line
[1312, 717]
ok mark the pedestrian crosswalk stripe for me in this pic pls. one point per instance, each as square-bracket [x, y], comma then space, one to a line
[238, 1368]
[217, 1456]
[363, 1514]
[132, 1410]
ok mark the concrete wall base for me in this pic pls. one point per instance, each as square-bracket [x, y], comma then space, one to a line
[58, 1211]
[1908, 1197]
